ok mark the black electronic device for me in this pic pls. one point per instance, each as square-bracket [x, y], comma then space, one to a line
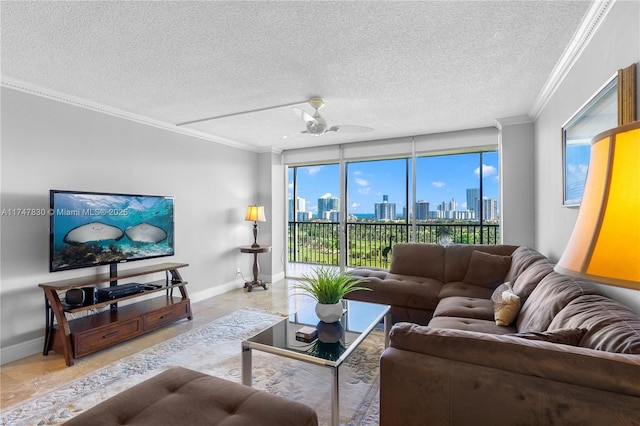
[118, 291]
[89, 296]
[74, 297]
[84, 296]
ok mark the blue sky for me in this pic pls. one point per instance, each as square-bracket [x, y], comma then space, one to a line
[438, 179]
[576, 166]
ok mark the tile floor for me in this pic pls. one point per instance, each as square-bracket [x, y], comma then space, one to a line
[38, 374]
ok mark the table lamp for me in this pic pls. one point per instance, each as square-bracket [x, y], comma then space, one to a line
[605, 243]
[255, 214]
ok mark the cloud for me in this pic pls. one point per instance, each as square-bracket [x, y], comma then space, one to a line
[438, 184]
[578, 169]
[487, 170]
[357, 173]
[361, 182]
[355, 205]
[327, 195]
[313, 170]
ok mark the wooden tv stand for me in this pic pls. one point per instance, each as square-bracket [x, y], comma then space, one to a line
[81, 336]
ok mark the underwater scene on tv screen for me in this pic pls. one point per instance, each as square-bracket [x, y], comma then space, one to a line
[90, 229]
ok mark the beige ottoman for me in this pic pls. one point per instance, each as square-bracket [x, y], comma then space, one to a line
[180, 396]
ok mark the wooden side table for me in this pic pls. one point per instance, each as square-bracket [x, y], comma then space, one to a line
[257, 282]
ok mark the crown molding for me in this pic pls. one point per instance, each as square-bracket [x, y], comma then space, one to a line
[591, 22]
[32, 89]
[511, 121]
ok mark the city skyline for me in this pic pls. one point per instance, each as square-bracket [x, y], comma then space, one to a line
[438, 179]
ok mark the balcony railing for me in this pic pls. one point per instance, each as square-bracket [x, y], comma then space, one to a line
[370, 244]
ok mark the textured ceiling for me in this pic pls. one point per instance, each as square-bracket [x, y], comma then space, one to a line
[403, 68]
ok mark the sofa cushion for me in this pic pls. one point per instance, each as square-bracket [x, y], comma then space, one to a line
[397, 290]
[471, 324]
[565, 336]
[363, 272]
[521, 259]
[486, 270]
[458, 256]
[611, 326]
[506, 304]
[454, 289]
[531, 277]
[465, 307]
[554, 292]
[415, 259]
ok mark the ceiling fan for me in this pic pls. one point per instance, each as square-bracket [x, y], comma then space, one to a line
[317, 125]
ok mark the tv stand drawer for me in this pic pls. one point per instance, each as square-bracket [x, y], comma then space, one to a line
[102, 337]
[166, 315]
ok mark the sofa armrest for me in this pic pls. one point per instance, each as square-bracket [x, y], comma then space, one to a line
[613, 372]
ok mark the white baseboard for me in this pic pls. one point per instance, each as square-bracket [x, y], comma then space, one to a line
[215, 291]
[32, 347]
[21, 350]
[277, 277]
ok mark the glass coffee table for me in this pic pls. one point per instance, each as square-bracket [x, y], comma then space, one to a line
[331, 349]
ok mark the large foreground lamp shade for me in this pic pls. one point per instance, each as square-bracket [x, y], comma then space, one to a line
[255, 214]
[605, 243]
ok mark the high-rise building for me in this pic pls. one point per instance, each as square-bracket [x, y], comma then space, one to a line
[473, 199]
[299, 207]
[422, 210]
[489, 209]
[385, 210]
[326, 204]
[303, 216]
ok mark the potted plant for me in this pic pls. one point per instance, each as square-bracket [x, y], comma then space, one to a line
[328, 286]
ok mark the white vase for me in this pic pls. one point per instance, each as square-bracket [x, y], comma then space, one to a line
[329, 312]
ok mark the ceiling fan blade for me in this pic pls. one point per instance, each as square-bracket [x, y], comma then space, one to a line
[350, 129]
[303, 115]
[293, 135]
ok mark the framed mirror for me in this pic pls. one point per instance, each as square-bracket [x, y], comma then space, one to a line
[598, 114]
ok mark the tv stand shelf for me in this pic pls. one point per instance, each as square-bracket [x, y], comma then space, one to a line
[81, 336]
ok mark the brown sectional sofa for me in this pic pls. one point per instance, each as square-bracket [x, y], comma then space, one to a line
[571, 356]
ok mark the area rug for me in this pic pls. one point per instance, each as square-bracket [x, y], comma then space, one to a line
[215, 349]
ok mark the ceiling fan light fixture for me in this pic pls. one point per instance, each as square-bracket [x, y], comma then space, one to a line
[316, 103]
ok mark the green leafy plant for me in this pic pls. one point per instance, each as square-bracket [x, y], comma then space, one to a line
[329, 285]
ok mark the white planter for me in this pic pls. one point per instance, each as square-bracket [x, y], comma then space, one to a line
[329, 313]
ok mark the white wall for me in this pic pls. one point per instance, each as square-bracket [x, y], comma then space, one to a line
[517, 181]
[615, 45]
[52, 145]
[272, 187]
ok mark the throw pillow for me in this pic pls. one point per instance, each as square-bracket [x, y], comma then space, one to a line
[506, 305]
[565, 336]
[486, 270]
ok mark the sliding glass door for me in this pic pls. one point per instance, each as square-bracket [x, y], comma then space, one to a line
[457, 198]
[314, 216]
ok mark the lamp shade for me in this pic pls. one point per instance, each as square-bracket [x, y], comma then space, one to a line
[605, 243]
[255, 214]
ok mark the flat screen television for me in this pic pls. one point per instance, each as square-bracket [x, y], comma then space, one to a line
[92, 228]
